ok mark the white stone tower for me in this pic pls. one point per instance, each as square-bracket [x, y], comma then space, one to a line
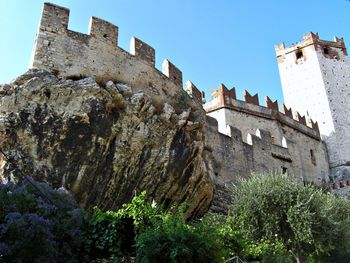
[315, 76]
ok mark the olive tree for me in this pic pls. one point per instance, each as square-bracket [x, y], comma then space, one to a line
[308, 220]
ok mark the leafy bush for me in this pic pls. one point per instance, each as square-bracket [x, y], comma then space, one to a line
[266, 252]
[172, 240]
[306, 220]
[232, 240]
[109, 236]
[272, 218]
[39, 224]
[112, 234]
[237, 246]
[160, 236]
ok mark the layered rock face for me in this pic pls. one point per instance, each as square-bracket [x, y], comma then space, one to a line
[104, 143]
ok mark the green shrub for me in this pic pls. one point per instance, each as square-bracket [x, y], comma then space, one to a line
[305, 219]
[267, 251]
[172, 240]
[232, 241]
[112, 233]
[109, 235]
[273, 219]
[236, 245]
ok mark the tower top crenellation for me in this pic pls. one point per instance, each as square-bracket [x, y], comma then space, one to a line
[311, 39]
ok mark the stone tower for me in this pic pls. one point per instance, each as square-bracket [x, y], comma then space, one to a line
[315, 76]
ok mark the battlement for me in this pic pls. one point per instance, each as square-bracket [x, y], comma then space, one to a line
[142, 50]
[224, 98]
[194, 92]
[242, 136]
[311, 39]
[258, 138]
[72, 54]
[241, 153]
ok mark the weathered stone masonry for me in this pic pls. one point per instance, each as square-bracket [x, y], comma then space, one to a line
[255, 138]
[242, 136]
[71, 54]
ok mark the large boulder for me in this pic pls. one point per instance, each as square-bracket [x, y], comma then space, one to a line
[104, 143]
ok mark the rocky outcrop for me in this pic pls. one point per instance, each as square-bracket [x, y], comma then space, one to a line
[104, 143]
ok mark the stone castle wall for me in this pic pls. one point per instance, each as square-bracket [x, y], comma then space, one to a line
[72, 54]
[254, 138]
[243, 136]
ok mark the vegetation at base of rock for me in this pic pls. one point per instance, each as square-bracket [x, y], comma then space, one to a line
[38, 224]
[273, 219]
[144, 231]
[111, 234]
[171, 239]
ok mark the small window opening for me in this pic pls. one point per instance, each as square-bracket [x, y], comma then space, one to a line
[299, 54]
[326, 50]
[313, 159]
[105, 35]
[284, 170]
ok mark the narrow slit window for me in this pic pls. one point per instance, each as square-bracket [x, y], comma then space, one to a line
[312, 156]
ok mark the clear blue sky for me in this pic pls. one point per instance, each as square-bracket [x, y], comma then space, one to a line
[212, 42]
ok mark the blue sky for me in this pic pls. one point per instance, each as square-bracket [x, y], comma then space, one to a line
[212, 42]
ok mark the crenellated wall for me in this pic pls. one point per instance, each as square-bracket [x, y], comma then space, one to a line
[263, 139]
[226, 99]
[194, 92]
[243, 136]
[72, 54]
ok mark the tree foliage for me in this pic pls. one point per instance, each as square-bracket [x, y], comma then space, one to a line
[273, 219]
[307, 220]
